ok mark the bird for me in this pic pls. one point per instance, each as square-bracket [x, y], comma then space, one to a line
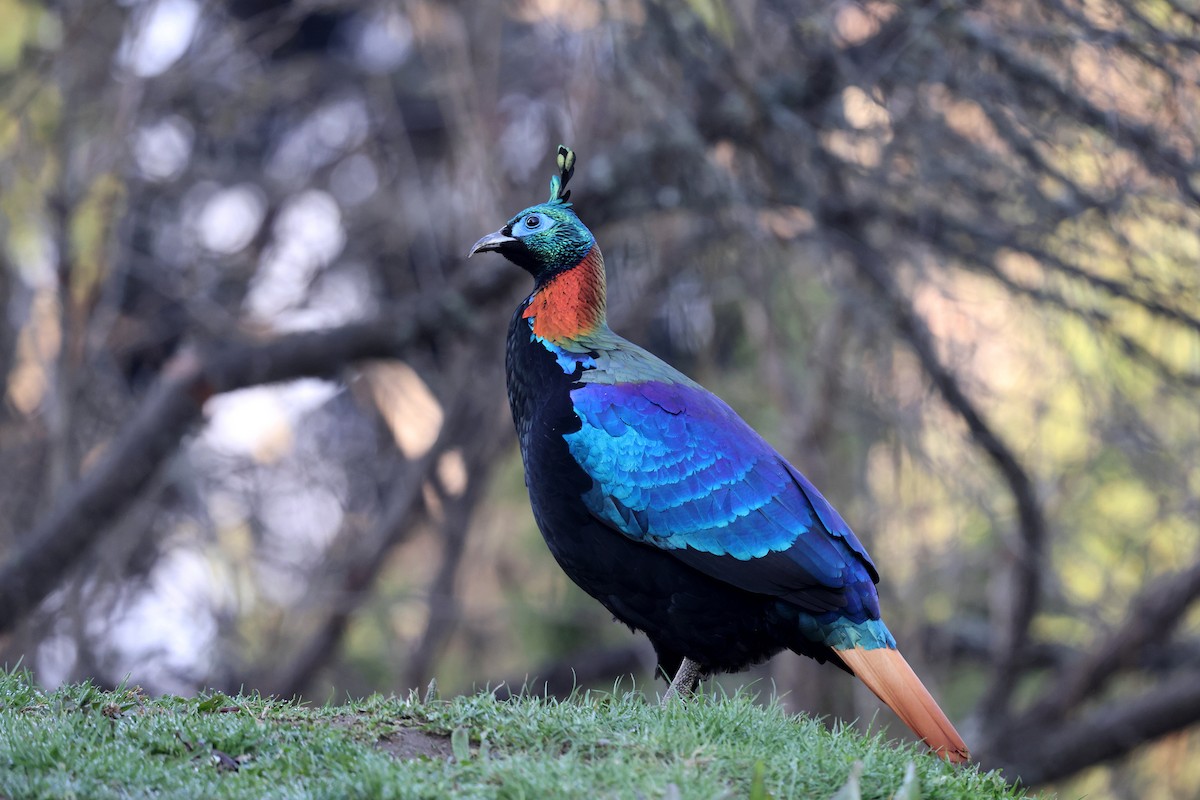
[662, 503]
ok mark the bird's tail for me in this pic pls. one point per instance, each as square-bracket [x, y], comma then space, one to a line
[888, 675]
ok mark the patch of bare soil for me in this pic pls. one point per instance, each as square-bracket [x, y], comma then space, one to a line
[404, 743]
[411, 743]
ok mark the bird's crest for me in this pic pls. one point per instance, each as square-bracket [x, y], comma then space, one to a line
[559, 193]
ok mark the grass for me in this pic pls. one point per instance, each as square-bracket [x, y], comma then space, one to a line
[81, 742]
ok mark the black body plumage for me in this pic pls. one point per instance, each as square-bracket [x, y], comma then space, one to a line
[682, 610]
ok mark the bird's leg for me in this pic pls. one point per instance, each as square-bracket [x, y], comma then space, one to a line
[684, 682]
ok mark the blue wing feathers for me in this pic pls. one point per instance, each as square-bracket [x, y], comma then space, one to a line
[675, 467]
[832, 520]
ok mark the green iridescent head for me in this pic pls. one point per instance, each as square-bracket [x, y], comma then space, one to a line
[547, 238]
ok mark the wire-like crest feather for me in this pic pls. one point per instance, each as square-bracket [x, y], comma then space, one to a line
[566, 168]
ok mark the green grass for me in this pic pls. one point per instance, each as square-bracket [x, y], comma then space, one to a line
[81, 742]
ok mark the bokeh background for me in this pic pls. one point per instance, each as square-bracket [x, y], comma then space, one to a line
[944, 255]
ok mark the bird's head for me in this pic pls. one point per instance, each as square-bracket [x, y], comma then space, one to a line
[548, 238]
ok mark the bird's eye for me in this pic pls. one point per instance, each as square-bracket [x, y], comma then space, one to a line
[533, 223]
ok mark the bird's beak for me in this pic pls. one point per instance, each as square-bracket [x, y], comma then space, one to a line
[493, 241]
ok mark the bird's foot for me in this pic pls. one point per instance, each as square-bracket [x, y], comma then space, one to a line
[684, 682]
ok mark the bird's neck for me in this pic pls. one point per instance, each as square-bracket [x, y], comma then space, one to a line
[570, 305]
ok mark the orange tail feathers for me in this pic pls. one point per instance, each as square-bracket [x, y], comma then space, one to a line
[888, 675]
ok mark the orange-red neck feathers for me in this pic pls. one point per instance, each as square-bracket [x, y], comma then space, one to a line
[571, 304]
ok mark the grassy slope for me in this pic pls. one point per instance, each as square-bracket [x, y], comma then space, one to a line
[82, 742]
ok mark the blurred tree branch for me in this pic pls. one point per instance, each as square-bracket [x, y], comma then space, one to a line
[62, 538]
[292, 676]
[469, 425]
[1046, 751]
[1049, 94]
[353, 579]
[1152, 617]
[1028, 557]
[481, 447]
